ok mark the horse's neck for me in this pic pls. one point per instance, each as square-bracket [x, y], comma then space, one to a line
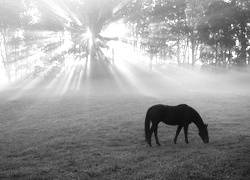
[198, 121]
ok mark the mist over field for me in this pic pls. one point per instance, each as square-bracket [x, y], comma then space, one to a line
[97, 132]
[132, 79]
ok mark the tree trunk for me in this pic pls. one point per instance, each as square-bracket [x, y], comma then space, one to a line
[216, 53]
[193, 52]
[4, 56]
[178, 50]
[243, 41]
[193, 48]
[151, 61]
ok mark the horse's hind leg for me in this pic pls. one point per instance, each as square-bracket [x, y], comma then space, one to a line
[177, 133]
[150, 135]
[155, 128]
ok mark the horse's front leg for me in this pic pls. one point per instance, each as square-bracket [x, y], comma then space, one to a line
[177, 133]
[186, 133]
[156, 136]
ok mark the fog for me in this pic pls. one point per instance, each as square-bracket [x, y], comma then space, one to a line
[129, 79]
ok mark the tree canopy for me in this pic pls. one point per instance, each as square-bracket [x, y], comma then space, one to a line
[213, 32]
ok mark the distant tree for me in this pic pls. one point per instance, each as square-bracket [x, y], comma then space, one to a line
[175, 23]
[216, 30]
[195, 13]
[9, 21]
[159, 25]
[225, 24]
[241, 26]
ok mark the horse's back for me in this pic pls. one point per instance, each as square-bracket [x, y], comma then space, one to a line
[157, 110]
[172, 115]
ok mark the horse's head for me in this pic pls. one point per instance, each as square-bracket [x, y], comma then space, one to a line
[203, 133]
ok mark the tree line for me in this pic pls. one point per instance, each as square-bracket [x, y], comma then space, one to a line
[215, 32]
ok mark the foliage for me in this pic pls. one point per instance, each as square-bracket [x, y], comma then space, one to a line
[225, 25]
[215, 32]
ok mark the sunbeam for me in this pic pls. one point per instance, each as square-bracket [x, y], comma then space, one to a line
[86, 53]
[59, 11]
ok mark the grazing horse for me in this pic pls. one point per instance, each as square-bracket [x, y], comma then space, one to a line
[181, 115]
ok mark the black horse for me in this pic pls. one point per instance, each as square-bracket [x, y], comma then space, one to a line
[181, 115]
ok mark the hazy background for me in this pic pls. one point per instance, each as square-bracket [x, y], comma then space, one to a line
[150, 47]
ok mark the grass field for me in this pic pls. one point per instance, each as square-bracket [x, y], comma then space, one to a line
[77, 136]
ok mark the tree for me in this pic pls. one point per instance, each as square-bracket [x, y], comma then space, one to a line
[225, 24]
[242, 27]
[217, 32]
[9, 22]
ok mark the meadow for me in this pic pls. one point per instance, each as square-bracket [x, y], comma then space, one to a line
[101, 136]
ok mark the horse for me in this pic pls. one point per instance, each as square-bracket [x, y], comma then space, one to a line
[181, 115]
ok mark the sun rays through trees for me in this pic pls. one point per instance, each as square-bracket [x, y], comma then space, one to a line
[79, 39]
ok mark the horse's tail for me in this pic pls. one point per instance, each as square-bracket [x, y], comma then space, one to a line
[147, 126]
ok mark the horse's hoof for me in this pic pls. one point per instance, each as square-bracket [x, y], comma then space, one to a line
[159, 144]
